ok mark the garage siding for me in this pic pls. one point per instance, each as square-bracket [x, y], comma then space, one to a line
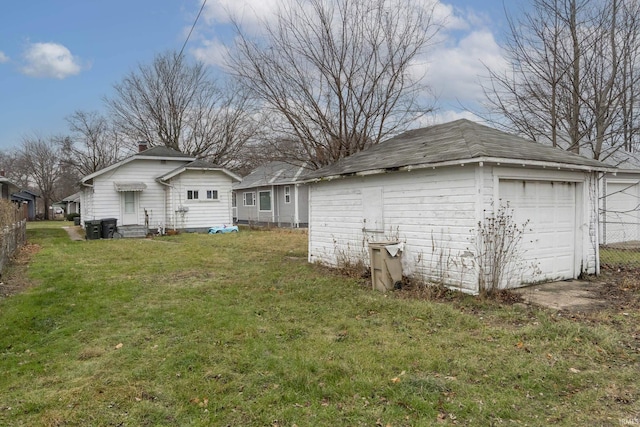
[436, 213]
[433, 213]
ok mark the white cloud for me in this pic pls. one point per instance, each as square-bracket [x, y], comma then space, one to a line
[3, 57]
[454, 70]
[249, 12]
[51, 60]
[211, 52]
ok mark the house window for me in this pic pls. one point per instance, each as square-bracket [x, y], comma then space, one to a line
[265, 200]
[249, 199]
[192, 194]
[212, 194]
[287, 194]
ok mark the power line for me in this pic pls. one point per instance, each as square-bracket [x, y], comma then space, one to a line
[192, 27]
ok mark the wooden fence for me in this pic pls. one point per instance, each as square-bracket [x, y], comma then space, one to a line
[12, 238]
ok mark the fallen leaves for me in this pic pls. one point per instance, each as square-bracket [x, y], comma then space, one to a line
[397, 379]
[202, 403]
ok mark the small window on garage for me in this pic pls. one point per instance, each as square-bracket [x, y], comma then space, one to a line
[287, 194]
[249, 199]
[192, 194]
[265, 200]
[212, 194]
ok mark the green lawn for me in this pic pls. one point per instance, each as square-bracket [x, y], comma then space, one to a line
[239, 330]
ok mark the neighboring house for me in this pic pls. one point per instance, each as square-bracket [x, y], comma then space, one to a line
[431, 187]
[157, 189]
[620, 204]
[28, 200]
[7, 187]
[272, 195]
[72, 203]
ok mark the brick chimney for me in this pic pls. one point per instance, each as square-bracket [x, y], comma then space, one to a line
[142, 145]
[2, 172]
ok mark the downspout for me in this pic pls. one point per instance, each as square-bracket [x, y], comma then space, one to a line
[273, 208]
[296, 214]
[167, 188]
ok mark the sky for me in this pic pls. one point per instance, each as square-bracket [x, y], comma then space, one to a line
[61, 56]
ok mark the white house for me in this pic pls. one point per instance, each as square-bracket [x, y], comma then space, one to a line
[430, 188]
[159, 188]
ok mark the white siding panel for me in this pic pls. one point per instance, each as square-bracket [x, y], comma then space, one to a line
[107, 201]
[432, 213]
[621, 211]
[201, 213]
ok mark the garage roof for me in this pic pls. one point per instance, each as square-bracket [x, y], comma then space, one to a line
[458, 142]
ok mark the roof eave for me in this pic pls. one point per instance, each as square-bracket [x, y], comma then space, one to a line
[478, 160]
[185, 168]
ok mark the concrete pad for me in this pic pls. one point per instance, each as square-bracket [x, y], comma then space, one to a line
[571, 295]
[75, 232]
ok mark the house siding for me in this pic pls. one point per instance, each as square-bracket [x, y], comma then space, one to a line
[282, 214]
[106, 200]
[619, 212]
[435, 212]
[201, 213]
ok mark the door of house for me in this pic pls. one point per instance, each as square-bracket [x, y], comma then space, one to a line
[129, 203]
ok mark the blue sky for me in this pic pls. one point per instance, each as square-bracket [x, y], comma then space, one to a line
[59, 56]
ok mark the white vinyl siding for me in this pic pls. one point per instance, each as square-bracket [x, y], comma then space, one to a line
[106, 201]
[201, 213]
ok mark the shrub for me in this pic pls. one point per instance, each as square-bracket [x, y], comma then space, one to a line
[72, 215]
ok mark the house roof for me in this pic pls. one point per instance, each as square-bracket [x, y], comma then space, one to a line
[457, 142]
[10, 184]
[273, 173]
[155, 153]
[624, 161]
[198, 165]
[72, 198]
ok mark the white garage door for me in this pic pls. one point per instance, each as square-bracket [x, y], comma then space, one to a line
[622, 213]
[549, 241]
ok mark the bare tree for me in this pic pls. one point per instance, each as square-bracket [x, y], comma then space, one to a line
[335, 77]
[92, 145]
[176, 103]
[41, 160]
[11, 162]
[573, 75]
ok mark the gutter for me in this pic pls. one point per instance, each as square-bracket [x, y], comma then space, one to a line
[480, 160]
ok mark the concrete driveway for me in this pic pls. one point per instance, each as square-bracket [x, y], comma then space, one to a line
[571, 295]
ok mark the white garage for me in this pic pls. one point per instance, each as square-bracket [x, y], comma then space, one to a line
[433, 188]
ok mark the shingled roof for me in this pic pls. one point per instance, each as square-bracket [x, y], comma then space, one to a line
[161, 151]
[273, 173]
[458, 142]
